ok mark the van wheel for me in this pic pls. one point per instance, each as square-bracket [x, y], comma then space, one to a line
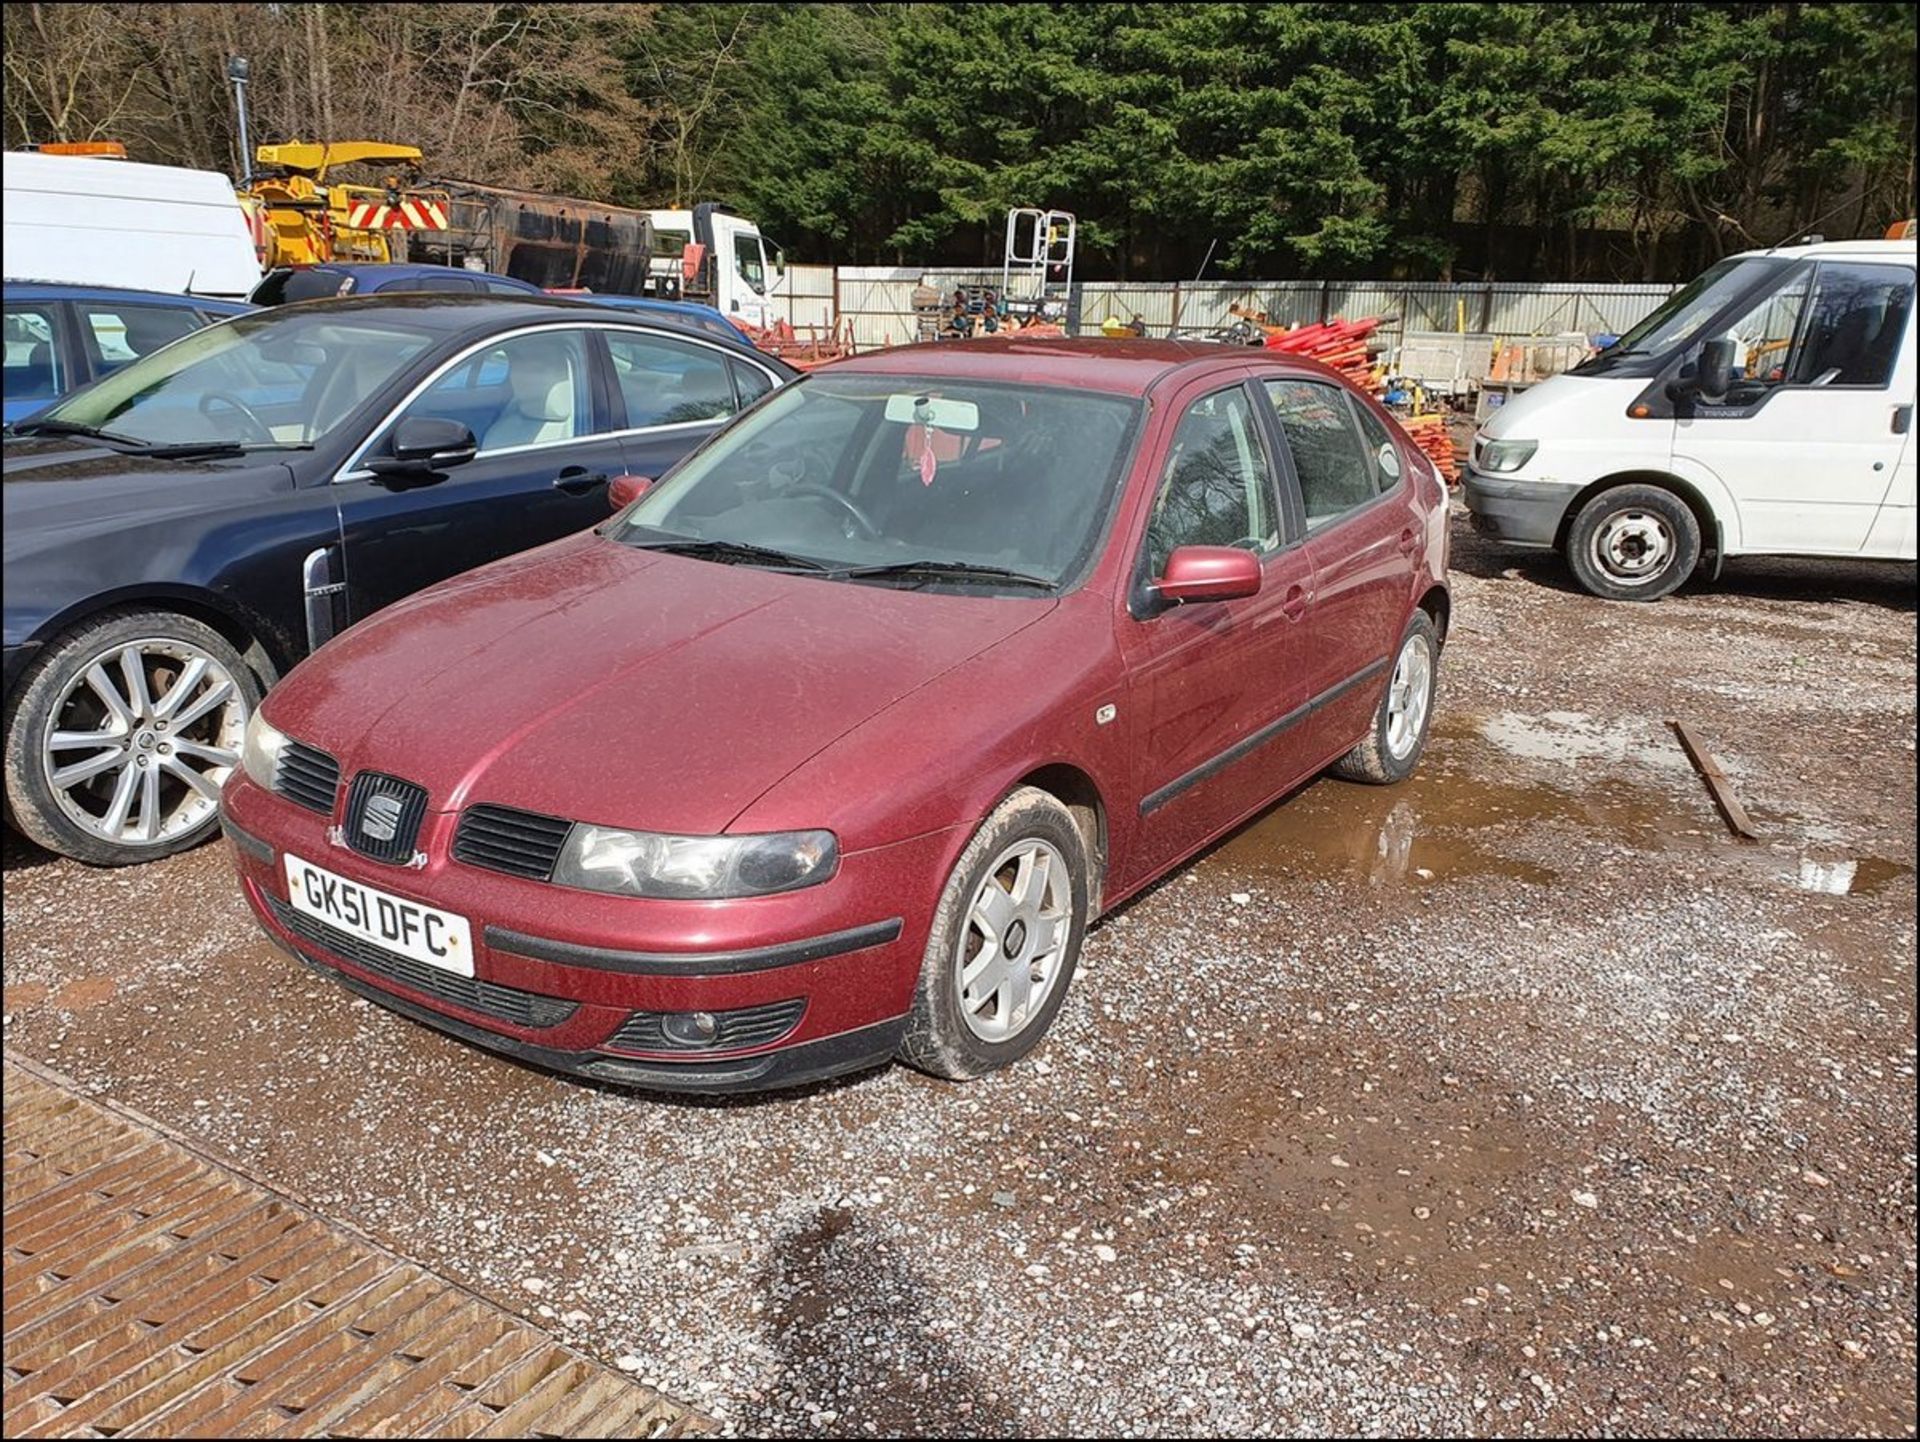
[1005, 941]
[121, 734]
[1634, 543]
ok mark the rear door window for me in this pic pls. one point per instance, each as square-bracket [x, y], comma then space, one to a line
[33, 370]
[1329, 458]
[669, 382]
[1381, 451]
[749, 382]
[115, 334]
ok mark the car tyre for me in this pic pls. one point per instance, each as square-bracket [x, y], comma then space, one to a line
[972, 1010]
[1634, 543]
[1398, 736]
[174, 734]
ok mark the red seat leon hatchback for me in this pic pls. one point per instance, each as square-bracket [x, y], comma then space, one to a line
[827, 748]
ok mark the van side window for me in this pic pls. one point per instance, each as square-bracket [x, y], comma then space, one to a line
[1763, 343]
[1854, 325]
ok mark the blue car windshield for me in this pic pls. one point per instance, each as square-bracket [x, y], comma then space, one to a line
[280, 378]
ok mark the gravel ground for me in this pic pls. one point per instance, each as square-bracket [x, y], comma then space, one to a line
[1518, 1099]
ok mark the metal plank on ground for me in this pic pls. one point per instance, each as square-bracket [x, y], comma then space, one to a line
[154, 1291]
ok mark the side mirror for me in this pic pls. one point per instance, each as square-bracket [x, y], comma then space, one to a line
[1712, 375]
[623, 491]
[1209, 573]
[1715, 377]
[425, 446]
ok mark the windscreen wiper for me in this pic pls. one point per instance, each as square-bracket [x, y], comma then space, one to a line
[73, 428]
[945, 571]
[732, 553]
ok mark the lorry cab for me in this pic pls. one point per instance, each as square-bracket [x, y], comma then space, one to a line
[1766, 408]
[712, 255]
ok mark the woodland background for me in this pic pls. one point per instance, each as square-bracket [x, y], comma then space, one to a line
[1429, 141]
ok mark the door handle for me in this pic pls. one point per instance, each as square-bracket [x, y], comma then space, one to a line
[1294, 605]
[1409, 542]
[578, 480]
[1902, 420]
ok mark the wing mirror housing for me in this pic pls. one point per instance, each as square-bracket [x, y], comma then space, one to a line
[1712, 377]
[425, 446]
[623, 491]
[1208, 573]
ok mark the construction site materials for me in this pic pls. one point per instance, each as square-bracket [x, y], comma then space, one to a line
[553, 241]
[815, 347]
[1429, 432]
[1341, 345]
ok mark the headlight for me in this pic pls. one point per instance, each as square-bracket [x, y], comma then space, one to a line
[645, 863]
[260, 752]
[1500, 457]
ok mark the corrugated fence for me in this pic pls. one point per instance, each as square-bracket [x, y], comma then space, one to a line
[878, 302]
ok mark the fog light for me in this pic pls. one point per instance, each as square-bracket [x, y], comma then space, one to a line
[690, 1028]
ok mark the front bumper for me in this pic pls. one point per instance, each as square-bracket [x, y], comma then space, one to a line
[1522, 513]
[816, 982]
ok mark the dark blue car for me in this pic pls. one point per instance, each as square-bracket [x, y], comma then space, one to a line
[60, 337]
[186, 528]
[333, 279]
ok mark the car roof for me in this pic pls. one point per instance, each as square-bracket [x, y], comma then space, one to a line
[1122, 366]
[59, 290]
[452, 314]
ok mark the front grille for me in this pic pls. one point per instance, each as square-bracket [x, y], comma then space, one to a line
[384, 815]
[520, 843]
[506, 1003]
[308, 776]
[734, 1030]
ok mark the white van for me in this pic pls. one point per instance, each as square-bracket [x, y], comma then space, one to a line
[89, 220]
[1764, 409]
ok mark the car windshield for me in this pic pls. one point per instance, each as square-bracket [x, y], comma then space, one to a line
[1685, 311]
[279, 378]
[928, 480]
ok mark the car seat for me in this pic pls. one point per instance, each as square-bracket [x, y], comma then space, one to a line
[35, 380]
[540, 376]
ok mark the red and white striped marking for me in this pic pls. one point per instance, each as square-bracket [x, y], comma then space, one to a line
[409, 214]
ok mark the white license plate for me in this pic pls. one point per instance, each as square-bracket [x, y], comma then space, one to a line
[424, 933]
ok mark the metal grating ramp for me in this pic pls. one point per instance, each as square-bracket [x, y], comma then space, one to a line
[150, 1291]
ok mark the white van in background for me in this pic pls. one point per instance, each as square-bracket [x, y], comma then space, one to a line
[91, 220]
[1764, 409]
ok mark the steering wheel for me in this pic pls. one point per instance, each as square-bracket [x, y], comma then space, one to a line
[846, 503]
[261, 432]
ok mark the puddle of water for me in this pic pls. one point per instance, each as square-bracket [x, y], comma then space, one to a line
[1852, 876]
[1450, 821]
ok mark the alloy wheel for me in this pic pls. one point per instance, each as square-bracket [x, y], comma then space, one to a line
[141, 739]
[1014, 939]
[1409, 695]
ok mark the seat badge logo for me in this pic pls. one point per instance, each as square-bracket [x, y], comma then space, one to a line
[381, 820]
